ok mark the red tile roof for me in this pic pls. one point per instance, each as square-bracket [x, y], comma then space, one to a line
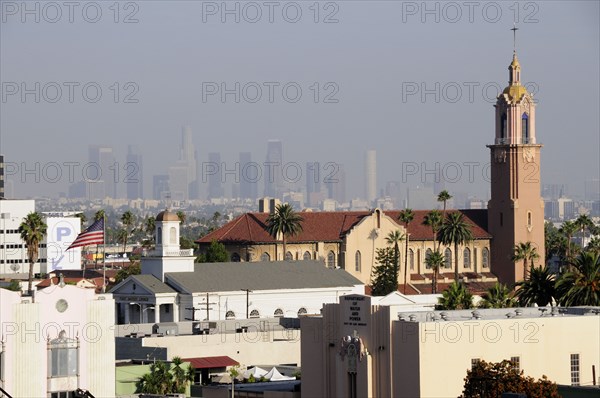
[211, 362]
[330, 227]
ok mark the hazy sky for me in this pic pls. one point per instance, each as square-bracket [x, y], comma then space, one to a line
[365, 58]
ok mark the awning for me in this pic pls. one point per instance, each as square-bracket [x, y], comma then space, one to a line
[210, 362]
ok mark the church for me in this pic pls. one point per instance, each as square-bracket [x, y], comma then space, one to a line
[349, 239]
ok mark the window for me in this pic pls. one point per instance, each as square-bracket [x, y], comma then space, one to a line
[289, 256]
[474, 362]
[485, 257]
[428, 253]
[159, 236]
[529, 219]
[173, 236]
[278, 313]
[331, 259]
[62, 394]
[306, 255]
[230, 315]
[302, 311]
[516, 363]
[525, 128]
[503, 126]
[411, 259]
[574, 369]
[448, 258]
[254, 314]
[467, 258]
[357, 261]
[265, 257]
[63, 361]
[235, 257]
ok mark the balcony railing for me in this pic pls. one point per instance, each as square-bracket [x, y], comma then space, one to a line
[518, 140]
[168, 253]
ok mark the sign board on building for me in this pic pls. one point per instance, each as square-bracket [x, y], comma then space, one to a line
[62, 231]
[356, 310]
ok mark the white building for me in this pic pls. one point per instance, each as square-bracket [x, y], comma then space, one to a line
[62, 342]
[13, 253]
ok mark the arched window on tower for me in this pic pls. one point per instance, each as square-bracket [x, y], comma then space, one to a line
[525, 128]
[159, 236]
[503, 127]
[173, 236]
[331, 259]
[357, 265]
[448, 258]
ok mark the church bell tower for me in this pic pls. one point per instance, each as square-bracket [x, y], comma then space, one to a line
[516, 209]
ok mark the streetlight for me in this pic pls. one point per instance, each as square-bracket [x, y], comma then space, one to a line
[142, 310]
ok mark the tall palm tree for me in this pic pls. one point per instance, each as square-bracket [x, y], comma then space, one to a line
[538, 288]
[128, 220]
[149, 229]
[285, 222]
[568, 229]
[526, 252]
[581, 286]
[456, 297]
[444, 197]
[392, 239]
[433, 219]
[32, 231]
[99, 215]
[498, 296]
[435, 261]
[455, 230]
[583, 222]
[181, 376]
[406, 216]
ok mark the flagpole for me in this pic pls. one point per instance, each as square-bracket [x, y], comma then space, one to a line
[104, 253]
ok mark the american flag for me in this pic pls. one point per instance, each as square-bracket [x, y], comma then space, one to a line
[93, 235]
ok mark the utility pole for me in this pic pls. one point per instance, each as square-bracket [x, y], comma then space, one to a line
[208, 306]
[247, 301]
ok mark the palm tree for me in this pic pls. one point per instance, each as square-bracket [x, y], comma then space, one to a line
[284, 221]
[538, 288]
[581, 286]
[583, 222]
[32, 231]
[498, 296]
[149, 229]
[82, 218]
[181, 377]
[568, 229]
[455, 230]
[456, 297]
[526, 252]
[444, 196]
[435, 261]
[392, 239]
[433, 219]
[406, 216]
[128, 219]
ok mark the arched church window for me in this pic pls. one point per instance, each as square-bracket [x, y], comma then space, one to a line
[411, 259]
[235, 257]
[485, 257]
[159, 236]
[357, 265]
[173, 236]
[306, 255]
[467, 258]
[254, 314]
[428, 253]
[289, 256]
[331, 259]
[529, 219]
[448, 258]
[525, 128]
[230, 315]
[278, 313]
[265, 257]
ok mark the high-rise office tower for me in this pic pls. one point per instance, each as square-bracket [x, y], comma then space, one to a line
[250, 174]
[371, 175]
[335, 182]
[188, 152]
[179, 182]
[103, 172]
[313, 183]
[134, 175]
[273, 169]
[215, 183]
[160, 186]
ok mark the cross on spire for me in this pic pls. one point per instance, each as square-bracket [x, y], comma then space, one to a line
[514, 29]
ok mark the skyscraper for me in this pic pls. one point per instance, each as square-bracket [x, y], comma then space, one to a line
[102, 171]
[215, 184]
[160, 186]
[336, 184]
[134, 175]
[249, 176]
[273, 169]
[313, 183]
[371, 175]
[179, 181]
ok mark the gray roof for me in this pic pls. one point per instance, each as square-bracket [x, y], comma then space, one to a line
[269, 275]
[152, 284]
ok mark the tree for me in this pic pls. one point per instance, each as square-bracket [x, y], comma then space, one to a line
[99, 215]
[128, 220]
[165, 379]
[285, 222]
[594, 245]
[406, 216]
[455, 297]
[433, 219]
[444, 197]
[181, 377]
[583, 222]
[526, 252]
[568, 229]
[32, 231]
[581, 285]
[14, 286]
[498, 296]
[149, 230]
[491, 380]
[455, 230]
[215, 253]
[124, 273]
[181, 216]
[382, 278]
[392, 239]
[538, 288]
[435, 261]
[556, 243]
[82, 218]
